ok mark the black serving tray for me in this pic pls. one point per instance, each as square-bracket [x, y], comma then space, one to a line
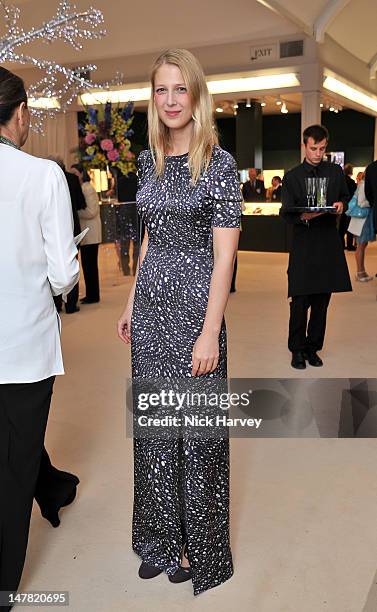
[311, 209]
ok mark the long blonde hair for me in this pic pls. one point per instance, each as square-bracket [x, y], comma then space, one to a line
[204, 135]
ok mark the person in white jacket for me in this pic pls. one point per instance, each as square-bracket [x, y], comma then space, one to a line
[37, 261]
[89, 217]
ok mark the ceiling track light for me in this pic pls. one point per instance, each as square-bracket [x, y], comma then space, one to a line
[283, 108]
[248, 103]
[278, 102]
[263, 102]
[349, 92]
[219, 109]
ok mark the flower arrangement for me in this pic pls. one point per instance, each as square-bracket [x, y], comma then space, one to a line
[106, 138]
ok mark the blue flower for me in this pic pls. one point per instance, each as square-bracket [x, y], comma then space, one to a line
[108, 115]
[92, 116]
[127, 111]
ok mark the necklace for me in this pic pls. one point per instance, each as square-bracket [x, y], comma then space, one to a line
[8, 142]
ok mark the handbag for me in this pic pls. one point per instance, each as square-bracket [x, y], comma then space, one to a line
[354, 210]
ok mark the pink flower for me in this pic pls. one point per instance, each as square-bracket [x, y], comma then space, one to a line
[113, 155]
[122, 146]
[107, 144]
[129, 155]
[90, 138]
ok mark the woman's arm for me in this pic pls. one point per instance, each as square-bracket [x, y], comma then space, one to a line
[92, 204]
[124, 323]
[206, 348]
[57, 232]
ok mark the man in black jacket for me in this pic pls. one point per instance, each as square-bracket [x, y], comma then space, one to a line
[317, 265]
[253, 190]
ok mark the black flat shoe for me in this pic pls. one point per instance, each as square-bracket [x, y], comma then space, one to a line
[86, 300]
[313, 359]
[183, 573]
[148, 571]
[298, 360]
[76, 309]
[51, 514]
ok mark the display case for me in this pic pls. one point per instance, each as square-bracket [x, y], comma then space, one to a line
[263, 229]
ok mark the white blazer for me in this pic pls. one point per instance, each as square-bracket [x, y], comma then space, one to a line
[37, 260]
[90, 216]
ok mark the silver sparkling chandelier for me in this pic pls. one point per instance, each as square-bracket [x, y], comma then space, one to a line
[59, 82]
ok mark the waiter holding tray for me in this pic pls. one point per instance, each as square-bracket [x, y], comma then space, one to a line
[317, 265]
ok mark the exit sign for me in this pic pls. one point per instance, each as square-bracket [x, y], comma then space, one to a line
[264, 53]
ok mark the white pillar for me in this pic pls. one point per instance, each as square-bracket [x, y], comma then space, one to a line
[310, 109]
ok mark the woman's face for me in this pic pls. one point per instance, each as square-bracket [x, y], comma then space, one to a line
[172, 100]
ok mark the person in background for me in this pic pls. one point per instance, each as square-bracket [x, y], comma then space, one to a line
[371, 190]
[367, 233]
[37, 260]
[89, 217]
[360, 176]
[344, 221]
[78, 203]
[317, 265]
[127, 223]
[253, 190]
[276, 189]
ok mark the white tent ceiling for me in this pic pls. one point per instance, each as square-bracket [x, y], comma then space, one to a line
[149, 26]
[351, 23]
[216, 28]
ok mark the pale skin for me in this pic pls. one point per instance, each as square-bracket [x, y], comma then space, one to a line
[314, 152]
[175, 110]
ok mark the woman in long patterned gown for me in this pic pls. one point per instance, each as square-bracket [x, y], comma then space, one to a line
[190, 202]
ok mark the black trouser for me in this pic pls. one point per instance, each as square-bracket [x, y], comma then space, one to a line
[304, 336]
[72, 299]
[89, 261]
[24, 411]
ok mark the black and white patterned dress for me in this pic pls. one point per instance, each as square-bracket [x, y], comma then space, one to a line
[181, 486]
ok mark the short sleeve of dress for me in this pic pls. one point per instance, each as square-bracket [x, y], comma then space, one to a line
[225, 190]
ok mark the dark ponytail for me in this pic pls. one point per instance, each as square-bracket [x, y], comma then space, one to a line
[12, 93]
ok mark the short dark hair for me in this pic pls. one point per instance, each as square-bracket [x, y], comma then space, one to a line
[317, 132]
[84, 172]
[12, 93]
[277, 178]
[348, 169]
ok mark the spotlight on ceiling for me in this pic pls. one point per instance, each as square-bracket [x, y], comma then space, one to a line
[248, 103]
[235, 105]
[321, 105]
[263, 103]
[219, 109]
[283, 108]
[278, 102]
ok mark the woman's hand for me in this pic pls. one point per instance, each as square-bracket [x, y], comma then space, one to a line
[124, 324]
[205, 354]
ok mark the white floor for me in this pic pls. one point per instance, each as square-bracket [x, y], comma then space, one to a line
[304, 532]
